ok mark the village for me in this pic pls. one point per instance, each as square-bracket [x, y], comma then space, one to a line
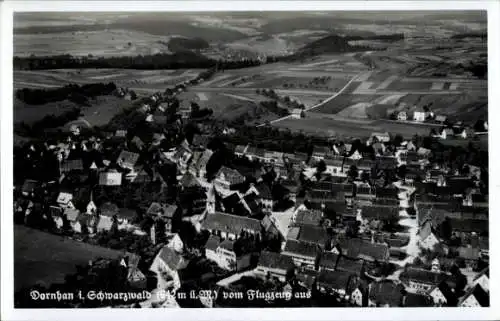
[380, 221]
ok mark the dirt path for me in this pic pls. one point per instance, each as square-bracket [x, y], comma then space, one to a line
[321, 103]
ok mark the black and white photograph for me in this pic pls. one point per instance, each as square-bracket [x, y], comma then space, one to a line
[249, 159]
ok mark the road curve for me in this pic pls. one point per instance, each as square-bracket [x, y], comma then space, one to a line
[321, 103]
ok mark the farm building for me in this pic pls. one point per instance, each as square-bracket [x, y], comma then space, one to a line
[402, 115]
[297, 113]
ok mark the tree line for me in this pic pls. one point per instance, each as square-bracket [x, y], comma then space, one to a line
[78, 94]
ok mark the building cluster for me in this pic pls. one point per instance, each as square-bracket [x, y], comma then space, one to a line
[340, 221]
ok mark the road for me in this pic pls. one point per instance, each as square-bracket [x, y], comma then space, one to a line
[321, 103]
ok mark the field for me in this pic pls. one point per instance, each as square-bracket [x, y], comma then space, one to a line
[333, 125]
[150, 79]
[44, 258]
[104, 43]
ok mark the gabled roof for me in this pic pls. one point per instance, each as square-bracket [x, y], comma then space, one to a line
[306, 217]
[334, 279]
[423, 276]
[127, 158]
[386, 293]
[417, 300]
[445, 289]
[71, 214]
[264, 191]
[468, 253]
[227, 245]
[328, 260]
[313, 234]
[379, 212]
[485, 271]
[171, 258]
[358, 248]
[212, 243]
[479, 293]
[274, 260]
[350, 265]
[231, 175]
[109, 209]
[72, 165]
[164, 210]
[29, 185]
[230, 223]
[293, 247]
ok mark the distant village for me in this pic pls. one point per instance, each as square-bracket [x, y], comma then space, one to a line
[375, 222]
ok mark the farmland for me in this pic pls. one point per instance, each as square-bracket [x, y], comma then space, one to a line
[46, 258]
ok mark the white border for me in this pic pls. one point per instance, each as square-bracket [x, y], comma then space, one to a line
[6, 136]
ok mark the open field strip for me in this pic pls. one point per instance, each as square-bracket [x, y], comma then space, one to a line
[364, 86]
[21, 84]
[406, 92]
[229, 82]
[238, 97]
[303, 92]
[247, 84]
[319, 63]
[437, 86]
[215, 79]
[391, 99]
[387, 82]
[202, 96]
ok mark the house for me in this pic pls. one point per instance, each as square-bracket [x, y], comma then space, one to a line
[427, 238]
[307, 217]
[165, 265]
[264, 193]
[110, 178]
[138, 143]
[381, 137]
[226, 255]
[335, 166]
[475, 297]
[230, 226]
[127, 159]
[70, 165]
[385, 293]
[353, 266]
[297, 113]
[420, 115]
[328, 261]
[72, 216]
[211, 248]
[464, 133]
[483, 279]
[446, 133]
[358, 292]
[402, 115]
[240, 150]
[356, 248]
[442, 295]
[379, 212]
[227, 177]
[275, 264]
[29, 187]
[198, 166]
[121, 133]
[417, 300]
[333, 282]
[320, 152]
[194, 204]
[302, 253]
[165, 212]
[64, 200]
[420, 280]
[470, 255]
[308, 233]
[441, 119]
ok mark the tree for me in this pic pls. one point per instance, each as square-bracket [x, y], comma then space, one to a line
[320, 167]
[353, 172]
